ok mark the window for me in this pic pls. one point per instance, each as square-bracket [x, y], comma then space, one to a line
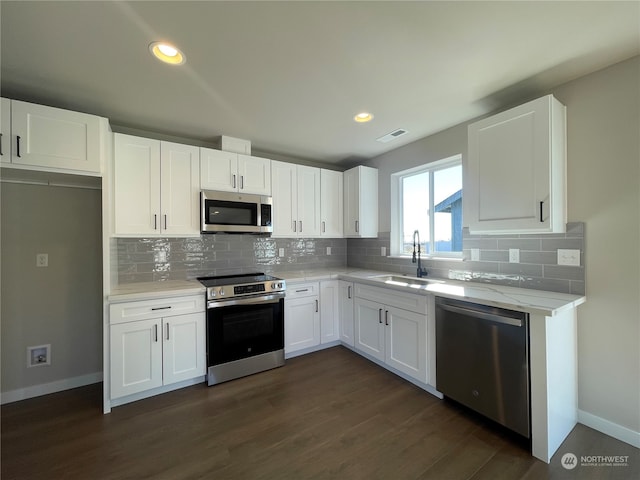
[428, 199]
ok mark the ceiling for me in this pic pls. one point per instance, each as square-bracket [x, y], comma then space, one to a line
[290, 76]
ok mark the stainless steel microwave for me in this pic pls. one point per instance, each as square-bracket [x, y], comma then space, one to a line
[235, 212]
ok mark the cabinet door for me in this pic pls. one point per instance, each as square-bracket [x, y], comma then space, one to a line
[510, 169]
[331, 204]
[301, 323]
[5, 130]
[218, 170]
[136, 185]
[346, 312]
[180, 189]
[56, 138]
[329, 311]
[406, 342]
[308, 201]
[254, 175]
[285, 205]
[183, 350]
[351, 203]
[369, 328]
[136, 357]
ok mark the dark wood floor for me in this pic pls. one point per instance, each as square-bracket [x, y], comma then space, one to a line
[331, 414]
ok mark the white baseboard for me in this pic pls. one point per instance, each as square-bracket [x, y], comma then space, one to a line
[47, 388]
[614, 430]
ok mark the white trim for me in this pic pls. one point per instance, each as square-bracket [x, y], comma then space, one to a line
[47, 388]
[116, 402]
[607, 427]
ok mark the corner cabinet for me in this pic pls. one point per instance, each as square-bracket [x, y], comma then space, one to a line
[234, 172]
[391, 327]
[155, 343]
[346, 327]
[516, 170]
[156, 188]
[331, 204]
[361, 202]
[296, 200]
[37, 137]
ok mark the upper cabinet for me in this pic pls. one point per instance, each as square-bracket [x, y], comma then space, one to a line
[296, 200]
[331, 204]
[516, 170]
[156, 188]
[36, 137]
[234, 172]
[361, 202]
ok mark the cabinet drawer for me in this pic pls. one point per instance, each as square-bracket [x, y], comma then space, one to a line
[164, 307]
[393, 298]
[297, 290]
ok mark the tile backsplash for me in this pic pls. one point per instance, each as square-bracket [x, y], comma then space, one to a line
[154, 259]
[537, 269]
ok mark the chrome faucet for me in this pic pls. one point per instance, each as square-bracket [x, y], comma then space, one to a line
[421, 272]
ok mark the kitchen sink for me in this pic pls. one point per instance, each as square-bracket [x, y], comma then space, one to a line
[405, 281]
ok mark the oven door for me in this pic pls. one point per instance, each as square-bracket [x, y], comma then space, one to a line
[243, 328]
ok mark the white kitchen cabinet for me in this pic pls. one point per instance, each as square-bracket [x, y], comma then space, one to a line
[233, 172]
[37, 137]
[164, 346]
[329, 311]
[5, 130]
[296, 200]
[346, 325]
[301, 317]
[361, 202]
[393, 335]
[156, 188]
[516, 170]
[331, 204]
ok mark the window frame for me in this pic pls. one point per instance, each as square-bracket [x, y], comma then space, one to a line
[397, 227]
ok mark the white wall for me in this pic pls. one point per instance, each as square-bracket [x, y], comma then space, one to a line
[604, 192]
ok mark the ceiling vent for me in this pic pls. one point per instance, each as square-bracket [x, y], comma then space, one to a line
[392, 136]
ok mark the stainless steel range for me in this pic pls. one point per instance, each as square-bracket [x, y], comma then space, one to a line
[245, 325]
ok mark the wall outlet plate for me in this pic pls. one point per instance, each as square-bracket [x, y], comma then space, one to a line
[383, 251]
[514, 255]
[475, 254]
[281, 252]
[569, 257]
[42, 260]
[328, 250]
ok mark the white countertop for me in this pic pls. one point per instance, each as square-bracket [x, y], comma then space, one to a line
[532, 301]
[131, 292]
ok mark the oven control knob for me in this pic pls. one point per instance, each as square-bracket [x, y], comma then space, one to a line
[212, 293]
[221, 291]
[273, 286]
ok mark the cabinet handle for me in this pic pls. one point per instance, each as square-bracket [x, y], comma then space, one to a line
[18, 145]
[241, 182]
[155, 221]
[386, 317]
[155, 332]
[380, 315]
[541, 203]
[357, 226]
[167, 330]
[161, 308]
[234, 181]
[349, 291]
[294, 226]
[1, 145]
[303, 290]
[165, 222]
[323, 227]
[316, 306]
[300, 226]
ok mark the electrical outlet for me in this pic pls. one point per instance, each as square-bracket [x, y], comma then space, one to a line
[328, 250]
[281, 252]
[514, 255]
[42, 260]
[475, 254]
[569, 257]
[383, 251]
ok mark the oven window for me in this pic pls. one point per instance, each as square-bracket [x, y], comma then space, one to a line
[219, 212]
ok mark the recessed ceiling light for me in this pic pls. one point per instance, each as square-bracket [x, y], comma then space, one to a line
[363, 117]
[167, 53]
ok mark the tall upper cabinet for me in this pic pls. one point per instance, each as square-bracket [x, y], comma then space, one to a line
[234, 172]
[38, 137]
[331, 204]
[516, 170]
[156, 187]
[361, 202]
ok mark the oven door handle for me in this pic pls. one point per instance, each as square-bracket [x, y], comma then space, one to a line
[274, 298]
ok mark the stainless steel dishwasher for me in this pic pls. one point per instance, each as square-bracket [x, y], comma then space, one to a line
[482, 360]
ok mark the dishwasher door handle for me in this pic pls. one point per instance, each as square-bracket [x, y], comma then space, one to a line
[516, 322]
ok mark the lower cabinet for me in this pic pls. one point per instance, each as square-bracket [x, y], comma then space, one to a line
[393, 335]
[301, 317]
[346, 326]
[329, 311]
[168, 347]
